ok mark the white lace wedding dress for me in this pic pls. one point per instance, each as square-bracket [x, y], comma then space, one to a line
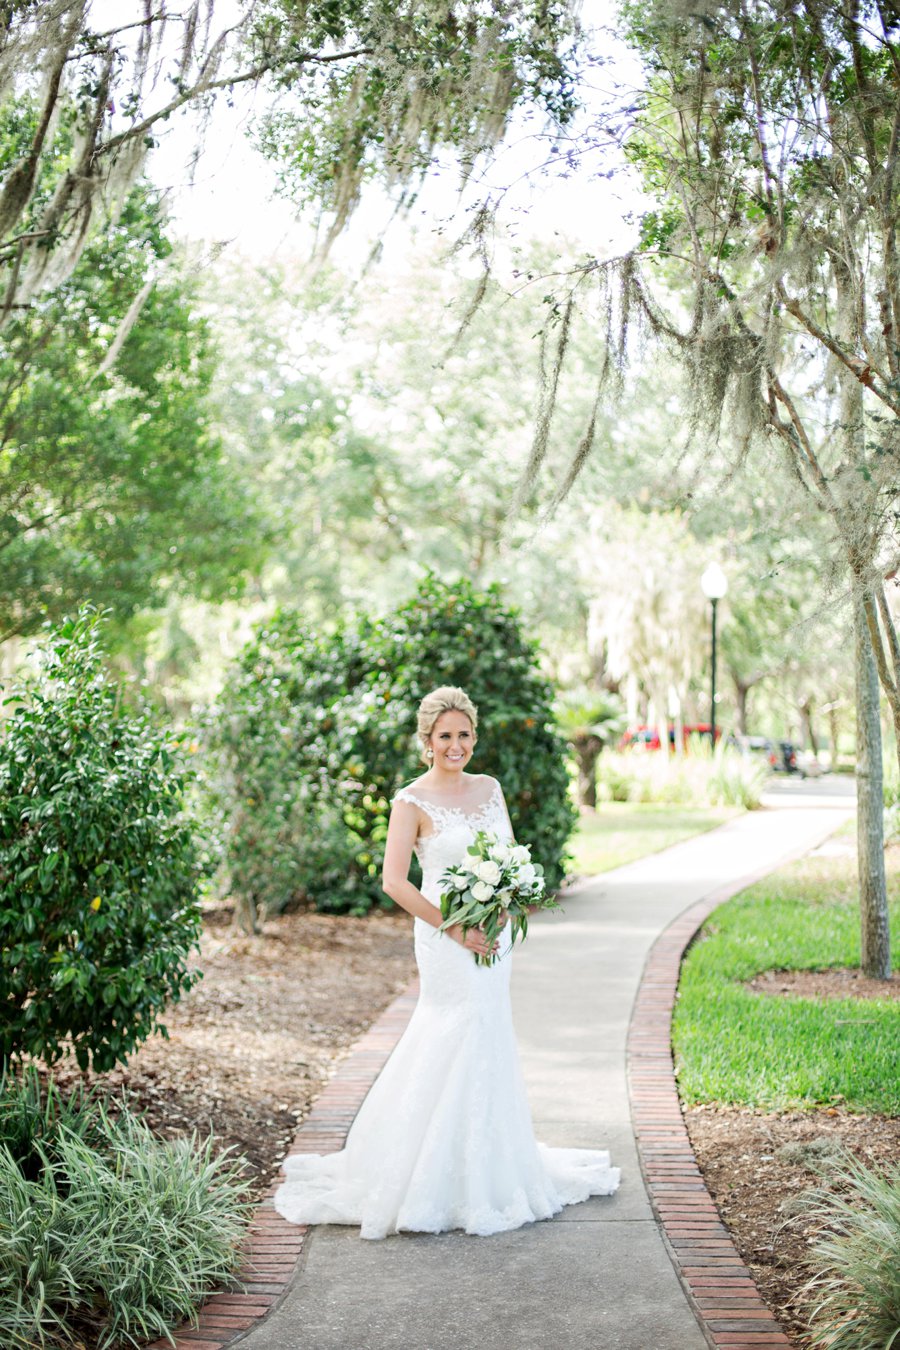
[444, 1138]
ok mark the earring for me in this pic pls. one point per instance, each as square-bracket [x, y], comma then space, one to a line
[429, 753]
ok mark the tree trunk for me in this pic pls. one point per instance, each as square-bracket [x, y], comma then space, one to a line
[741, 693]
[678, 719]
[834, 731]
[587, 750]
[875, 933]
[659, 703]
[806, 723]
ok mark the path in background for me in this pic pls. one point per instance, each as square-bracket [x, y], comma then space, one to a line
[598, 1277]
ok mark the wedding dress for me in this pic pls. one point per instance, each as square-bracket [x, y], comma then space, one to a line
[444, 1138]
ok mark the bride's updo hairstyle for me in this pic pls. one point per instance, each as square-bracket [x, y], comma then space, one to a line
[448, 698]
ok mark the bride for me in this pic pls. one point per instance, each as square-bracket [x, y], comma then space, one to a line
[444, 1138]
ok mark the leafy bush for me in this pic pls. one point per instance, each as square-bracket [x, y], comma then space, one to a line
[116, 1237]
[314, 734]
[854, 1294]
[98, 871]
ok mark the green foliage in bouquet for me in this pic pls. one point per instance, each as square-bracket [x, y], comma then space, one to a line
[314, 733]
[492, 888]
[98, 867]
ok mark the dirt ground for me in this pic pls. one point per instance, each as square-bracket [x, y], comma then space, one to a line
[757, 1165]
[253, 1042]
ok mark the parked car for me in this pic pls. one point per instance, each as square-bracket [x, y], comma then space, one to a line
[784, 757]
[759, 746]
[647, 738]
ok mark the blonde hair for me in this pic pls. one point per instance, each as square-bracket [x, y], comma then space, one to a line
[449, 698]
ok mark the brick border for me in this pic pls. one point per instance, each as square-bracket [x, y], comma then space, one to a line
[720, 1288]
[273, 1247]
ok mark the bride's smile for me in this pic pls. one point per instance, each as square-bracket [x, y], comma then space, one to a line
[450, 745]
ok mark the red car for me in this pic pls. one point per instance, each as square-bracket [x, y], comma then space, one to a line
[647, 738]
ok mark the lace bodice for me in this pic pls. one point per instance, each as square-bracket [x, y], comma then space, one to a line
[454, 828]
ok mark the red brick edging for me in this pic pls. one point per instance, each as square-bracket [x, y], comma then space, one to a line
[720, 1287]
[272, 1249]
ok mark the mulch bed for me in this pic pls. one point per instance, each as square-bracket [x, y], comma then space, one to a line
[253, 1042]
[757, 1164]
[825, 984]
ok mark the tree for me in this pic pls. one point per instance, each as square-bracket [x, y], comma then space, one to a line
[651, 626]
[364, 87]
[112, 484]
[589, 721]
[770, 134]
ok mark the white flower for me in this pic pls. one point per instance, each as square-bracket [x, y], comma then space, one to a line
[527, 875]
[487, 871]
[482, 891]
[504, 897]
[500, 853]
[520, 854]
[460, 881]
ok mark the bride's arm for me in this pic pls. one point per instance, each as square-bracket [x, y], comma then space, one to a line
[403, 827]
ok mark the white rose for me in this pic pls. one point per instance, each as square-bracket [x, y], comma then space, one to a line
[520, 854]
[527, 875]
[460, 881]
[482, 891]
[487, 871]
[500, 853]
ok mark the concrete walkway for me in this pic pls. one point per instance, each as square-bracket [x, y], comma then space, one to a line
[598, 1277]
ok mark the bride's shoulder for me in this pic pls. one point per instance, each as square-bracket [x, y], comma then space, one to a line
[407, 794]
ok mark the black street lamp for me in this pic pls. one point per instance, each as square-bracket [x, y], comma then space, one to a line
[715, 584]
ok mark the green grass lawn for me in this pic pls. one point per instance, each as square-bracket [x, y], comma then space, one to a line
[620, 832]
[734, 1045]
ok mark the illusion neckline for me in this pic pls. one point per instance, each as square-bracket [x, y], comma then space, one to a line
[456, 808]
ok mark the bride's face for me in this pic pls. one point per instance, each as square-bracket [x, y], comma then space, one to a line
[452, 741]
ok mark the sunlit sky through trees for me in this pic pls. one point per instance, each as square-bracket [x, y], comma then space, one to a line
[228, 195]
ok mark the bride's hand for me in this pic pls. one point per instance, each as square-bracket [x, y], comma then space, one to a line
[473, 939]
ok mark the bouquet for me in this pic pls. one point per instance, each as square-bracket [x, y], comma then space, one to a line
[496, 883]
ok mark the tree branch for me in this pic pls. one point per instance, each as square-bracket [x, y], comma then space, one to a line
[890, 629]
[202, 86]
[877, 641]
[861, 369]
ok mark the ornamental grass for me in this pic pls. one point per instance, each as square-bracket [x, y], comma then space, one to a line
[108, 1236]
[853, 1296]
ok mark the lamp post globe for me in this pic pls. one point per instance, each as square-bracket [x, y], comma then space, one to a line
[714, 584]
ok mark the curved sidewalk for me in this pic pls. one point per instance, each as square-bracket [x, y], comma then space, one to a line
[601, 1275]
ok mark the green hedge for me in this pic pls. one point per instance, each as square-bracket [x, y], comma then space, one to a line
[314, 734]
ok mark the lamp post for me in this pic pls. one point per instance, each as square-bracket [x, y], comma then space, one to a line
[714, 583]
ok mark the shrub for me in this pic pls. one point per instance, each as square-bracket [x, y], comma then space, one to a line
[453, 634]
[98, 872]
[117, 1236]
[854, 1294]
[698, 778]
[314, 734]
[283, 771]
